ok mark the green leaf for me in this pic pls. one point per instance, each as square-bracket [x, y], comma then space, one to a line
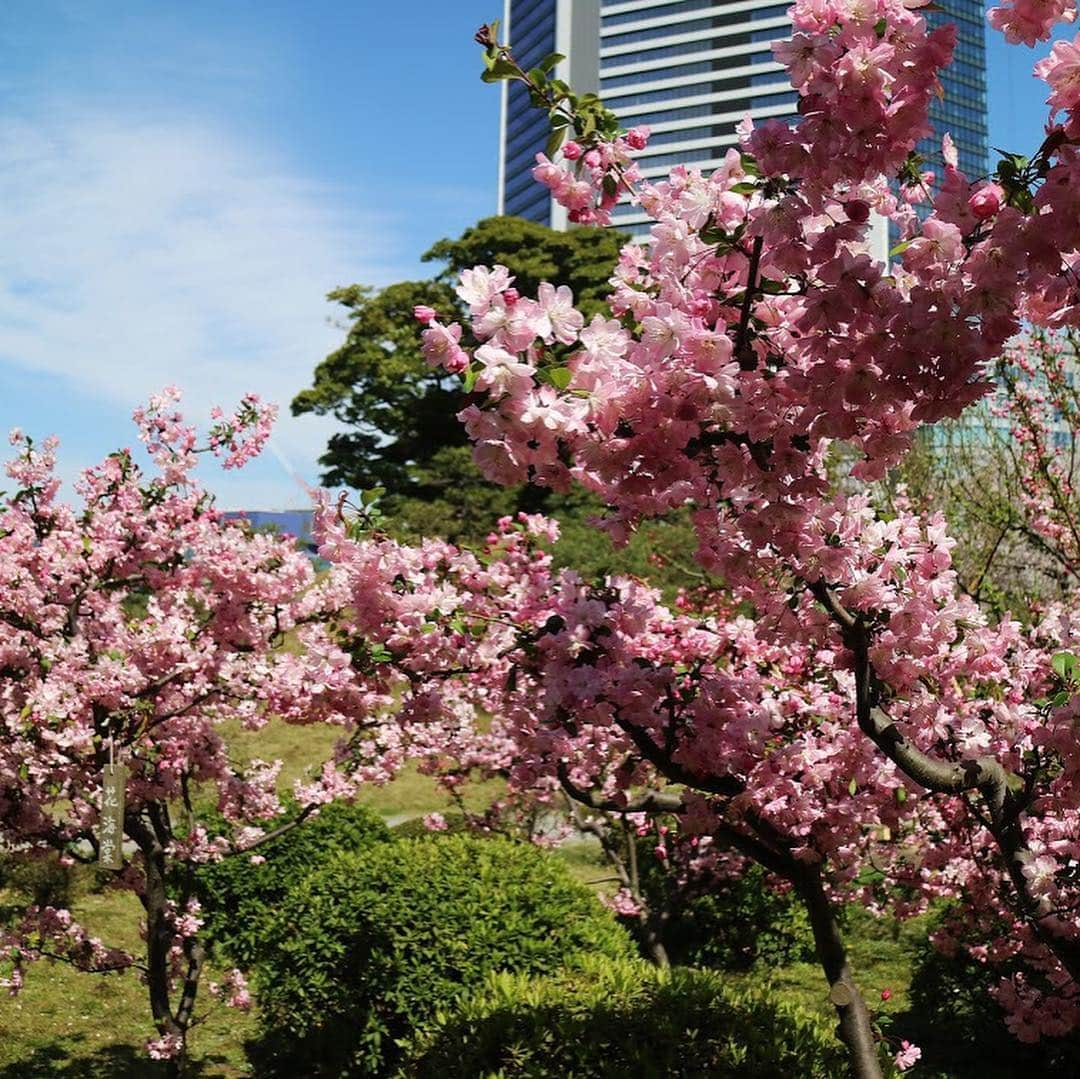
[551, 61]
[744, 188]
[468, 379]
[498, 70]
[555, 140]
[900, 248]
[559, 377]
[852, 786]
[901, 795]
[380, 653]
[371, 495]
[880, 27]
[1064, 664]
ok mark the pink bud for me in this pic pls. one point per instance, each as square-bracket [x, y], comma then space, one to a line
[987, 201]
[660, 852]
[511, 296]
[571, 150]
[637, 137]
[886, 994]
[424, 314]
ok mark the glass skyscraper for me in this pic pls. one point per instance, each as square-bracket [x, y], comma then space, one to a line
[691, 70]
[962, 111]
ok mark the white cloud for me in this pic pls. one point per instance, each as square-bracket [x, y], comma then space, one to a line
[139, 252]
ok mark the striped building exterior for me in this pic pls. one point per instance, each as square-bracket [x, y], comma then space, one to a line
[691, 70]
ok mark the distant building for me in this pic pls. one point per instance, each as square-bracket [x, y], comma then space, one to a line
[692, 70]
[296, 523]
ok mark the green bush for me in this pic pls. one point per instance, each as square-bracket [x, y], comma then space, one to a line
[610, 1020]
[238, 896]
[41, 879]
[366, 950]
[741, 922]
[725, 923]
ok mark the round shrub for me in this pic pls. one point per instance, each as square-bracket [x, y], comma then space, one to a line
[238, 895]
[739, 922]
[612, 1019]
[42, 879]
[723, 922]
[369, 948]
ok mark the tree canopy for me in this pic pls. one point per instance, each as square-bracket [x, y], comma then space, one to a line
[400, 412]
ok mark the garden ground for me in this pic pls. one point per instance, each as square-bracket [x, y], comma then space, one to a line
[67, 1023]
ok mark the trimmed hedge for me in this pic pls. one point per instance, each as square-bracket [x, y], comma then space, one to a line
[617, 1019]
[240, 897]
[729, 924]
[368, 948]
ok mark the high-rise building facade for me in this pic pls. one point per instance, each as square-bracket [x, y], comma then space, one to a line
[692, 70]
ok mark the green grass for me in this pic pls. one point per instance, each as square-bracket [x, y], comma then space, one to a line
[880, 952]
[68, 1023]
[302, 751]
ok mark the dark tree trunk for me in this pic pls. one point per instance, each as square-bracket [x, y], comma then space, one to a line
[854, 1018]
[159, 937]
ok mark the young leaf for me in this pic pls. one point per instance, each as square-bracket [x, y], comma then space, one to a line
[559, 377]
[1064, 664]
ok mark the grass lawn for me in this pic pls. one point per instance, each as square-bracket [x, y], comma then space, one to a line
[68, 1023]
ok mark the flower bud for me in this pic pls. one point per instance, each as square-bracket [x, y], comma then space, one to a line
[571, 150]
[423, 313]
[987, 201]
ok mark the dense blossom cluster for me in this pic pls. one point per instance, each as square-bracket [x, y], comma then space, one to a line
[753, 332]
[607, 168]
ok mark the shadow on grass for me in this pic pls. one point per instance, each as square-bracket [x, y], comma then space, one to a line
[66, 1058]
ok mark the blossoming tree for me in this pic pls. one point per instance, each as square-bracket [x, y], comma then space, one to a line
[132, 628]
[843, 703]
[869, 712]
[1007, 470]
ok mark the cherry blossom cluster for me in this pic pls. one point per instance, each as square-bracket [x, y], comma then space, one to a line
[752, 334]
[1028, 21]
[608, 169]
[504, 666]
[133, 625]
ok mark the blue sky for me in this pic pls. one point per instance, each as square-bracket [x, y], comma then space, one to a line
[182, 182]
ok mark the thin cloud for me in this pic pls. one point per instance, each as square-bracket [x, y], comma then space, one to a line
[139, 252]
